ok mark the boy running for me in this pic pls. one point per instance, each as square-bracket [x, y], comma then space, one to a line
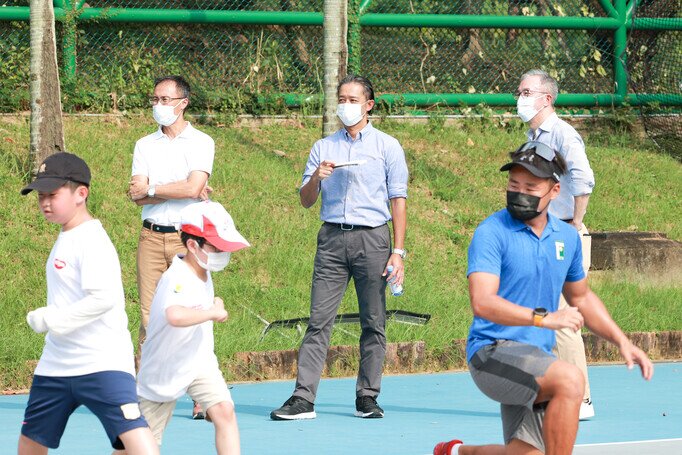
[88, 355]
[178, 355]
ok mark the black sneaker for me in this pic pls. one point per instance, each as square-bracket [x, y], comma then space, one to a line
[367, 408]
[295, 408]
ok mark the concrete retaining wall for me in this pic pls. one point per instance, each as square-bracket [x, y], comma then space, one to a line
[412, 357]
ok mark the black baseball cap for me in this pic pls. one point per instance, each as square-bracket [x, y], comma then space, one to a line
[539, 159]
[58, 169]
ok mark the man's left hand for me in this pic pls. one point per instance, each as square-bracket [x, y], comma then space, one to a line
[398, 272]
[138, 190]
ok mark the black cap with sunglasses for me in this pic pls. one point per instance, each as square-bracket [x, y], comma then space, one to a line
[539, 159]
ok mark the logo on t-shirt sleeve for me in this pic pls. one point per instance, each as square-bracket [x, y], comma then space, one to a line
[59, 264]
[559, 246]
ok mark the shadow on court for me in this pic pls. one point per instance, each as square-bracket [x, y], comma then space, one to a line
[632, 417]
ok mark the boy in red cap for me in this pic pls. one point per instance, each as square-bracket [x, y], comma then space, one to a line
[178, 355]
[88, 355]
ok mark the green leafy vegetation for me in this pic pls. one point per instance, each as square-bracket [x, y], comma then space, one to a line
[454, 184]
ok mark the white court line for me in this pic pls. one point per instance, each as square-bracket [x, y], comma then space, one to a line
[663, 446]
[649, 441]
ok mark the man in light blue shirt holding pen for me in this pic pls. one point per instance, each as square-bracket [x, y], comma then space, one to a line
[361, 175]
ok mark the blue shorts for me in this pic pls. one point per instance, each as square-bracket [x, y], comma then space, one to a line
[110, 395]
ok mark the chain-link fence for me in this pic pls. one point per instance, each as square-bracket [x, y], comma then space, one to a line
[655, 67]
[250, 67]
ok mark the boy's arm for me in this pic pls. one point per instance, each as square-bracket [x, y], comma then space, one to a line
[181, 316]
[62, 321]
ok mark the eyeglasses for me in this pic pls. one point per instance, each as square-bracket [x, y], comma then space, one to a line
[541, 150]
[164, 99]
[527, 92]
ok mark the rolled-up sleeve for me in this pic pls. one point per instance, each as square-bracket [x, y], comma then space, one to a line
[582, 177]
[312, 164]
[397, 175]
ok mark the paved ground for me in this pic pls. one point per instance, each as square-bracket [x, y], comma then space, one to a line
[632, 417]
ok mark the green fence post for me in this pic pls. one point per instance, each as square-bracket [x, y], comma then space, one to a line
[354, 38]
[620, 46]
[68, 40]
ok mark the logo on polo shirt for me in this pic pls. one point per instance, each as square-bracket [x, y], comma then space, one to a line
[559, 246]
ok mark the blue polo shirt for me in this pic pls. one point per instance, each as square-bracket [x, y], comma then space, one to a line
[532, 273]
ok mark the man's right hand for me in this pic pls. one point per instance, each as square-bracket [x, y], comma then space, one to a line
[567, 318]
[324, 170]
[220, 314]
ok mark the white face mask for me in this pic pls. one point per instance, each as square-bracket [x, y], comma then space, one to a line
[164, 114]
[525, 107]
[215, 262]
[349, 113]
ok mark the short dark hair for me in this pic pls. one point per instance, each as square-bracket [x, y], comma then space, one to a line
[367, 88]
[184, 237]
[180, 82]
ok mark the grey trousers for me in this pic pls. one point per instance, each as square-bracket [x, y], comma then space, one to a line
[360, 254]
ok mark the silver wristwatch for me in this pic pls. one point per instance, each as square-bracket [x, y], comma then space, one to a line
[399, 252]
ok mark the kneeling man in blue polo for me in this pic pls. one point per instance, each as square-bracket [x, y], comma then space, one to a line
[521, 259]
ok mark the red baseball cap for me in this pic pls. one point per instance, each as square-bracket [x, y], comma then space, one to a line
[211, 221]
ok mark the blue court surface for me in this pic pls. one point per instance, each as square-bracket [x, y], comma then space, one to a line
[632, 417]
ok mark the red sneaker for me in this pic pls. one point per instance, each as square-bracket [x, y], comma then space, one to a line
[443, 448]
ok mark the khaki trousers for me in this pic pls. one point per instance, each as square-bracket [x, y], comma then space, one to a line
[569, 344]
[155, 253]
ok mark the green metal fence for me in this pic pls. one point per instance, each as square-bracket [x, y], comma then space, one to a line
[264, 56]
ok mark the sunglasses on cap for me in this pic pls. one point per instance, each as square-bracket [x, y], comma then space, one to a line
[541, 150]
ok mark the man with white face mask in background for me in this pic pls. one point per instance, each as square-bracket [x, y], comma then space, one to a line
[170, 171]
[354, 242]
[537, 93]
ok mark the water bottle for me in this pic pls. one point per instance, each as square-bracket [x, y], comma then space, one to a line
[396, 289]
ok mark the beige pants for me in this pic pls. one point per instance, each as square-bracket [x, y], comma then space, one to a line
[569, 344]
[155, 253]
[209, 389]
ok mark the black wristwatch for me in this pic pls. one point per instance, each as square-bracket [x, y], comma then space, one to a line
[538, 315]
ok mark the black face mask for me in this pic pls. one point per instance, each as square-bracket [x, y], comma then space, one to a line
[523, 206]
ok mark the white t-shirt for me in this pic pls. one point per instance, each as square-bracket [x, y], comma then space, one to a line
[163, 160]
[84, 259]
[172, 357]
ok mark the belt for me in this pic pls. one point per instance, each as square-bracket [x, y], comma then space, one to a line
[350, 227]
[568, 220]
[158, 227]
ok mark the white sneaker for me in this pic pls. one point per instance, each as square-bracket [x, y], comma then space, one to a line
[586, 409]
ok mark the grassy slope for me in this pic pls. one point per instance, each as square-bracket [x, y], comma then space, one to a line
[455, 183]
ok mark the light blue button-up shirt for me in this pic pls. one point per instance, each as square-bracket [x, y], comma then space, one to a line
[579, 178]
[359, 195]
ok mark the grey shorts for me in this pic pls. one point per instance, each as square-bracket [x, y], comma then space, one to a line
[506, 372]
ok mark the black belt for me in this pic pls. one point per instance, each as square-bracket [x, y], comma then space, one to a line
[349, 227]
[158, 228]
[569, 220]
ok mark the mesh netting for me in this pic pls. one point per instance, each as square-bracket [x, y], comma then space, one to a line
[655, 68]
[248, 68]
[484, 61]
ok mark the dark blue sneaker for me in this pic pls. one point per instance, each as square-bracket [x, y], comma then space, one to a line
[295, 408]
